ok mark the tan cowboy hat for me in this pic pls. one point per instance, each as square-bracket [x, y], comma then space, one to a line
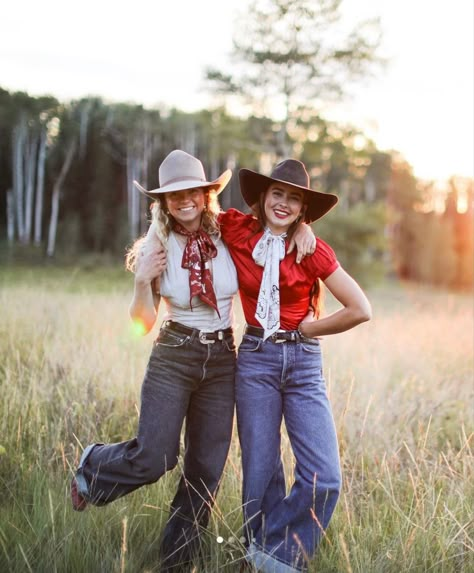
[180, 171]
[292, 173]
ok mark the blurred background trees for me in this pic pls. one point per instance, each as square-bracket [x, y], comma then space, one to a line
[66, 173]
[294, 54]
[66, 168]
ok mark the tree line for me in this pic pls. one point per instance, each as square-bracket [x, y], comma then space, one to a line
[66, 172]
[66, 169]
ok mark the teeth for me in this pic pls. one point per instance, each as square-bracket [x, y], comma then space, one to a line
[283, 213]
[186, 208]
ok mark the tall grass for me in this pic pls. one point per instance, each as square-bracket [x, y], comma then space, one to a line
[402, 392]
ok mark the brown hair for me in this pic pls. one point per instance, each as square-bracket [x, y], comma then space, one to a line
[316, 298]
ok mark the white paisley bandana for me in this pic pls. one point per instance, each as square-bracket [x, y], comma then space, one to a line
[268, 253]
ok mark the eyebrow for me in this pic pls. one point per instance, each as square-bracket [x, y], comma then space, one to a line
[292, 193]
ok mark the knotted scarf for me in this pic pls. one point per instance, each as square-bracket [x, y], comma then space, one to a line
[198, 251]
[268, 253]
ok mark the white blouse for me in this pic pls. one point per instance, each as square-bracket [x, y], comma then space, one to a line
[174, 289]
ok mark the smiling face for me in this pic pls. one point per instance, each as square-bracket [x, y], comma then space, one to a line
[186, 207]
[282, 206]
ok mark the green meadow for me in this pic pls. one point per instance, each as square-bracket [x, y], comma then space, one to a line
[401, 387]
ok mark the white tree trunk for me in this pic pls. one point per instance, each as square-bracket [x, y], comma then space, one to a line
[10, 216]
[147, 153]
[53, 224]
[30, 167]
[19, 133]
[40, 186]
[133, 194]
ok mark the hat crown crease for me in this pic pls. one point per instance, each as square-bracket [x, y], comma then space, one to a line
[180, 166]
[291, 171]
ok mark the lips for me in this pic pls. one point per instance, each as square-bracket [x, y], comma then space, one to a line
[281, 214]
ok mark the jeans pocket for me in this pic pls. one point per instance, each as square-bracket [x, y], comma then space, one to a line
[171, 339]
[250, 343]
[230, 345]
[310, 345]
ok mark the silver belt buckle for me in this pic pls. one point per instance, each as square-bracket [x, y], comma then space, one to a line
[203, 339]
[277, 340]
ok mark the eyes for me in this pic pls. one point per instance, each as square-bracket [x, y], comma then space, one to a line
[292, 196]
[183, 195]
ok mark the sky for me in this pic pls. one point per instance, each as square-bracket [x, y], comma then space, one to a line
[155, 52]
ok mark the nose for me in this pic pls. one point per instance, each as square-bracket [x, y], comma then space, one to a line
[185, 197]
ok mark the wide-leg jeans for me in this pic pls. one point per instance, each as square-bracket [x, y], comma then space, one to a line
[185, 380]
[276, 380]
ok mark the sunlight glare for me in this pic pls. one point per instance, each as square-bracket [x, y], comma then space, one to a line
[138, 328]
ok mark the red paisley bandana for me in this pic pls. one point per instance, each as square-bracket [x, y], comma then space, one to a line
[199, 250]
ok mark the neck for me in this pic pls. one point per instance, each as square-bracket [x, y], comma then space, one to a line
[191, 227]
[277, 231]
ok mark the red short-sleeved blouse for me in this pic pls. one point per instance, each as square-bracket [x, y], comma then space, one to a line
[241, 233]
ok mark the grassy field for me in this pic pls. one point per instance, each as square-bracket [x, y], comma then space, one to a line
[402, 392]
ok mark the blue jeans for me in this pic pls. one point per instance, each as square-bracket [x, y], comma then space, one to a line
[186, 379]
[276, 380]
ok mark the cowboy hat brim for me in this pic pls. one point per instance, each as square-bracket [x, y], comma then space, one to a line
[253, 184]
[218, 185]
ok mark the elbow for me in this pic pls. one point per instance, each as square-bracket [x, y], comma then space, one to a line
[364, 313]
[141, 326]
[360, 312]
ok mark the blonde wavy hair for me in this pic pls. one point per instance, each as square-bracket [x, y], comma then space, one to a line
[163, 222]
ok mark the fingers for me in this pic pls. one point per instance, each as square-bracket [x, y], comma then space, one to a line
[150, 263]
[309, 317]
[310, 245]
[151, 246]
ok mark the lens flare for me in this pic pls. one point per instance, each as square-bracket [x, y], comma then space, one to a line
[138, 328]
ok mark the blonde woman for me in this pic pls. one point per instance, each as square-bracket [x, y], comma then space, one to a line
[190, 374]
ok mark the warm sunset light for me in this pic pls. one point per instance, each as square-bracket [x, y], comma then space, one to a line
[462, 204]
[420, 103]
[236, 277]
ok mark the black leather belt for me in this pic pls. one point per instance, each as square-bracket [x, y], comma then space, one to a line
[204, 337]
[283, 336]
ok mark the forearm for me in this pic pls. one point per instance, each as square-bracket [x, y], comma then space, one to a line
[339, 321]
[355, 307]
[144, 305]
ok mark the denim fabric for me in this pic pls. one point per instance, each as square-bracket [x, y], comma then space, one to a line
[276, 381]
[184, 380]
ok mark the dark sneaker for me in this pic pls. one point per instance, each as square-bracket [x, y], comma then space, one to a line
[79, 503]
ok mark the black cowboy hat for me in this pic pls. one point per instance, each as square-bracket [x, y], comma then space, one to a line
[292, 173]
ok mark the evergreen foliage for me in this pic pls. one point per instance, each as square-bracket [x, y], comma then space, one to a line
[379, 226]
